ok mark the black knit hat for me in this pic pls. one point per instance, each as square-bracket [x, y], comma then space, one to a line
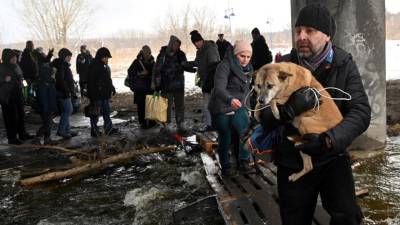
[318, 17]
[195, 36]
[63, 53]
[103, 52]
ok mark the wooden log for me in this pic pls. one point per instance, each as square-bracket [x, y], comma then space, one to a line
[93, 166]
[361, 193]
[47, 147]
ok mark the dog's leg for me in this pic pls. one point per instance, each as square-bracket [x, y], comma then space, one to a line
[274, 109]
[307, 167]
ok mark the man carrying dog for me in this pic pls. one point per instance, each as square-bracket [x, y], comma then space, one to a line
[331, 177]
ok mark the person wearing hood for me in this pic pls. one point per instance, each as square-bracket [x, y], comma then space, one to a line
[261, 53]
[223, 45]
[168, 77]
[139, 74]
[46, 95]
[206, 61]
[331, 177]
[100, 89]
[12, 100]
[65, 91]
[83, 61]
[227, 104]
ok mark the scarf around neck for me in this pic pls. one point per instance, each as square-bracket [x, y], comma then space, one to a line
[313, 63]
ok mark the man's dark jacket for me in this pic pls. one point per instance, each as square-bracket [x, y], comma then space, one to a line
[342, 73]
[100, 86]
[139, 82]
[64, 78]
[83, 61]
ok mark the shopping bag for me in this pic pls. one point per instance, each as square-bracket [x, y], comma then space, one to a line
[156, 107]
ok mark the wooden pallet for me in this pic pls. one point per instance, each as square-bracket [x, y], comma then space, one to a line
[249, 199]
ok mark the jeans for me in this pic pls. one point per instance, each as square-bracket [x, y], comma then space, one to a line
[66, 111]
[206, 112]
[105, 111]
[224, 124]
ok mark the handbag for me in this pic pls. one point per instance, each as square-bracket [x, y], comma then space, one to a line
[156, 107]
[92, 109]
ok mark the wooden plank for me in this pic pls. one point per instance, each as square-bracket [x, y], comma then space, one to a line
[249, 212]
[207, 144]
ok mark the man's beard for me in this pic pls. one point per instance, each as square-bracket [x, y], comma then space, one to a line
[305, 54]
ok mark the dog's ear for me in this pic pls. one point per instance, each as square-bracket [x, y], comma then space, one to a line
[283, 75]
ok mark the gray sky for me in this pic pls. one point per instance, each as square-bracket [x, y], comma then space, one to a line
[113, 16]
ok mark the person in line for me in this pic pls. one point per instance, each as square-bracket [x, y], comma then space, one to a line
[100, 89]
[331, 177]
[206, 61]
[168, 77]
[83, 61]
[139, 73]
[46, 94]
[223, 45]
[227, 104]
[65, 91]
[261, 53]
[13, 107]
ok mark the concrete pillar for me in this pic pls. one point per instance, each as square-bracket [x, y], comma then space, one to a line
[361, 32]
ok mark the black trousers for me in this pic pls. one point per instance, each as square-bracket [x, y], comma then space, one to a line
[333, 181]
[14, 115]
[45, 129]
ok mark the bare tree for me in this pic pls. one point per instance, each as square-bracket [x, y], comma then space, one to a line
[53, 21]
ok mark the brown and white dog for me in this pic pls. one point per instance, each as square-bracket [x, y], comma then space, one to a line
[274, 83]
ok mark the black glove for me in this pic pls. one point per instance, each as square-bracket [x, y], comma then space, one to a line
[113, 91]
[313, 144]
[299, 102]
[268, 120]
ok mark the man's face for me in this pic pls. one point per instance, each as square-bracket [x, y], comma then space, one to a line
[13, 60]
[255, 36]
[68, 58]
[309, 41]
[30, 45]
[105, 60]
[147, 55]
[221, 38]
[199, 44]
[83, 50]
[175, 46]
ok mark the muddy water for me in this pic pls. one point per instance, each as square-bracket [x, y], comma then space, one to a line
[381, 176]
[147, 191]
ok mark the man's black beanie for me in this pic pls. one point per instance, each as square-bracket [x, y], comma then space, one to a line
[195, 36]
[318, 17]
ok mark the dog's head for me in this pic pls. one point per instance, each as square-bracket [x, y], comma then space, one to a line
[279, 80]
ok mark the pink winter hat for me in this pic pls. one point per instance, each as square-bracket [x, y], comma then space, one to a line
[241, 46]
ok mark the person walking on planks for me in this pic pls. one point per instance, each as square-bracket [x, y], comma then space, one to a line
[227, 103]
[331, 177]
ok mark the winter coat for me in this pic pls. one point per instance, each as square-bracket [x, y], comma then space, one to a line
[140, 82]
[343, 74]
[261, 53]
[168, 71]
[83, 61]
[46, 90]
[230, 82]
[64, 79]
[9, 89]
[223, 47]
[206, 61]
[100, 86]
[29, 65]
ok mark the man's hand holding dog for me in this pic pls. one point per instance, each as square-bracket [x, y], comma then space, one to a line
[298, 102]
[314, 144]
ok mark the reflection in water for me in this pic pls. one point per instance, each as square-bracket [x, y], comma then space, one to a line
[381, 176]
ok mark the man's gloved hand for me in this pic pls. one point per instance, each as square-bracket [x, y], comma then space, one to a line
[299, 102]
[113, 91]
[313, 144]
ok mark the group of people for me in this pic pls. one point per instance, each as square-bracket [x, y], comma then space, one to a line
[224, 73]
[54, 86]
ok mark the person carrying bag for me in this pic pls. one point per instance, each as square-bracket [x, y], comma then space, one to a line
[156, 107]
